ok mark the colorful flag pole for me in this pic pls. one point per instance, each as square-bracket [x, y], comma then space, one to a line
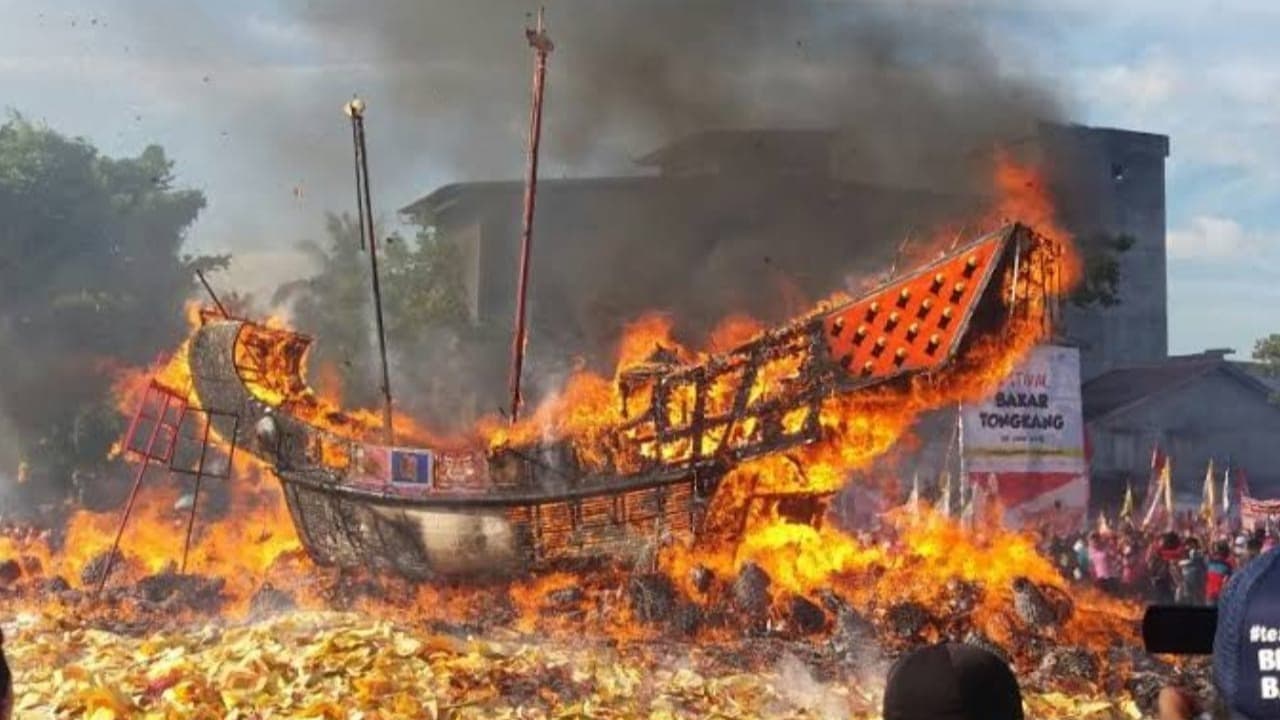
[1151, 499]
[1126, 508]
[967, 508]
[1209, 501]
[1226, 490]
[1166, 488]
[1162, 494]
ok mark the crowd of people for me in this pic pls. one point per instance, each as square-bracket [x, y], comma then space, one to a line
[968, 683]
[1187, 565]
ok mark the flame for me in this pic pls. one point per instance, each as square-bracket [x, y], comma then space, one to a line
[1023, 194]
[241, 546]
[930, 551]
[272, 362]
[917, 560]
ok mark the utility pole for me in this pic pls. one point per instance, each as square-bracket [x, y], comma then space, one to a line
[542, 47]
[364, 208]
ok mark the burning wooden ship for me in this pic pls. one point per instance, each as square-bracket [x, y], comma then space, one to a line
[430, 511]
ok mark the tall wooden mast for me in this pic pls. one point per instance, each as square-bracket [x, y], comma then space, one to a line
[542, 47]
[364, 210]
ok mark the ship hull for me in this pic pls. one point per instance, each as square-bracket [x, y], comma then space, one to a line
[475, 537]
[423, 535]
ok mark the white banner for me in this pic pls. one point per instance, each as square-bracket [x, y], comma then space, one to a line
[1033, 423]
[1027, 441]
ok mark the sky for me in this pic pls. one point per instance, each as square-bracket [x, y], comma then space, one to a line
[217, 83]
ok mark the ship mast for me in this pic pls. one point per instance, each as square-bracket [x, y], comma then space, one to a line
[364, 212]
[542, 47]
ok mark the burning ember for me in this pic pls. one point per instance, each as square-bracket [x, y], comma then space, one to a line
[764, 607]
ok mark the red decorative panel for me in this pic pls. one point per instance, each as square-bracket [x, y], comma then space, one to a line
[914, 322]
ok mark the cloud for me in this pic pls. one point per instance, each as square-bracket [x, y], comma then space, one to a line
[1137, 89]
[1212, 237]
[274, 31]
[1247, 81]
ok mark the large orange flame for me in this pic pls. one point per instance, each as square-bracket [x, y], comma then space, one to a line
[255, 538]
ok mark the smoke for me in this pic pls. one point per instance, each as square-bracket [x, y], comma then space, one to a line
[799, 688]
[10, 454]
[916, 96]
[906, 81]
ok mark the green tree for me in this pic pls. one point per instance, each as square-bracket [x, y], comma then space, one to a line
[1267, 352]
[423, 286]
[1100, 285]
[334, 305]
[92, 279]
[430, 340]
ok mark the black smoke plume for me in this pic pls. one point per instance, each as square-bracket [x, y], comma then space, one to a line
[898, 109]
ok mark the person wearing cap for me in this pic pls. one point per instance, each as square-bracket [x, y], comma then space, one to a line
[951, 681]
[1246, 649]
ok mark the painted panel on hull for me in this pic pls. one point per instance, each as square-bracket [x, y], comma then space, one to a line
[462, 471]
[411, 467]
[408, 469]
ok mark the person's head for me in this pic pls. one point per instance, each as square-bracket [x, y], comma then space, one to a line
[952, 681]
[1247, 638]
[1222, 549]
[1169, 541]
[1193, 543]
[1253, 547]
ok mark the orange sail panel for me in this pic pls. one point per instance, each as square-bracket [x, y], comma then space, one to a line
[916, 323]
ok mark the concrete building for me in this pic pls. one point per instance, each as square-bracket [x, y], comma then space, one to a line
[766, 222]
[1110, 183]
[1197, 407]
